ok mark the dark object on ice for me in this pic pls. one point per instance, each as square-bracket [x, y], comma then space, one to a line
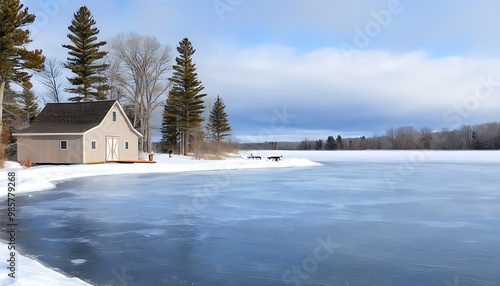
[275, 158]
[254, 157]
[151, 157]
[170, 153]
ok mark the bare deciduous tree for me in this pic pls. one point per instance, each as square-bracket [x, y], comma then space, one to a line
[114, 81]
[391, 135]
[486, 136]
[466, 132]
[52, 79]
[426, 137]
[403, 137]
[143, 65]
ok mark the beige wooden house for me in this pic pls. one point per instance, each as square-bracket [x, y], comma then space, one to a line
[80, 132]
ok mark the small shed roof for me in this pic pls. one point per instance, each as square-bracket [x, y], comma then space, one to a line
[69, 118]
[92, 112]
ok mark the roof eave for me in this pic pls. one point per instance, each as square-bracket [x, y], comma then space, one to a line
[47, 134]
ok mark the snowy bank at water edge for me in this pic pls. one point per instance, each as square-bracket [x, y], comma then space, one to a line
[45, 177]
[29, 272]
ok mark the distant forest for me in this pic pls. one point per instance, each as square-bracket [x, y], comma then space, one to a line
[477, 137]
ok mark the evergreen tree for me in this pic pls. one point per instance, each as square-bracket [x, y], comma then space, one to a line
[306, 144]
[318, 145]
[186, 94]
[340, 143]
[27, 101]
[84, 55]
[12, 116]
[15, 59]
[331, 144]
[218, 123]
[169, 126]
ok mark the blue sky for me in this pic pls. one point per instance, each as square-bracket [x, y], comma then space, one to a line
[293, 69]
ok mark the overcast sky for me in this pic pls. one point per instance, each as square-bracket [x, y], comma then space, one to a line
[290, 69]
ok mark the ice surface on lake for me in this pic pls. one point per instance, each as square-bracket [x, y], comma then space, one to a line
[372, 218]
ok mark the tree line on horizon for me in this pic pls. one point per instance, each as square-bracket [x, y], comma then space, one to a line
[136, 71]
[467, 137]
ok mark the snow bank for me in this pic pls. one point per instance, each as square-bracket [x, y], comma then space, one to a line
[11, 164]
[32, 273]
[45, 177]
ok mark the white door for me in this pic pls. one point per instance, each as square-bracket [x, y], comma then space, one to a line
[112, 148]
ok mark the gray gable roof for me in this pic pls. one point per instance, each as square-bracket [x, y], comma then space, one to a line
[76, 117]
[76, 113]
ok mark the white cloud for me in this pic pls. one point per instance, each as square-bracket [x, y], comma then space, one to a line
[381, 88]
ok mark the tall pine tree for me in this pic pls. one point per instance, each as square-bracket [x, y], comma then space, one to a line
[330, 144]
[218, 123]
[169, 126]
[27, 101]
[186, 94]
[84, 58]
[12, 113]
[15, 59]
[340, 143]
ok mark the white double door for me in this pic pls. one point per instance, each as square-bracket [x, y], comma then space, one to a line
[112, 148]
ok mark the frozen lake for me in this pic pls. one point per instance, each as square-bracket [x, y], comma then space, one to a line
[343, 223]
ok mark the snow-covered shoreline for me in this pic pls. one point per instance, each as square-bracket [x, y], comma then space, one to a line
[43, 178]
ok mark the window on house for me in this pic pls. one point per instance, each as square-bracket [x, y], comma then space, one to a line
[114, 115]
[93, 145]
[126, 145]
[64, 144]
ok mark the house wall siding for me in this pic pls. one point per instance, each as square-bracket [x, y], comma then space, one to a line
[46, 149]
[109, 127]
